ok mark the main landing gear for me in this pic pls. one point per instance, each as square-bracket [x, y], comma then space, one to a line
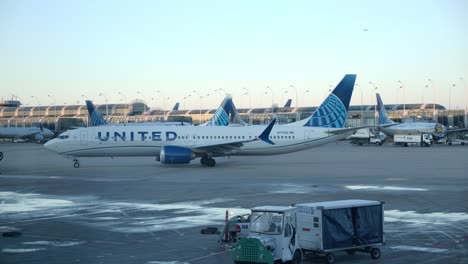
[208, 161]
[76, 163]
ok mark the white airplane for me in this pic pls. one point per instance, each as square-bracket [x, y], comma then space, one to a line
[181, 144]
[96, 119]
[37, 134]
[391, 128]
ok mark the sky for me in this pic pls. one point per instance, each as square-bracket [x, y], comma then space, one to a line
[261, 52]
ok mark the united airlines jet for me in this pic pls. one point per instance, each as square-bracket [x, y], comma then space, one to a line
[181, 144]
[391, 128]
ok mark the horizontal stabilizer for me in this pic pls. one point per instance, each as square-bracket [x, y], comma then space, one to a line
[265, 136]
[346, 130]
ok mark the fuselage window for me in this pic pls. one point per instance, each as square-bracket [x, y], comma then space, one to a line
[193, 137]
[230, 137]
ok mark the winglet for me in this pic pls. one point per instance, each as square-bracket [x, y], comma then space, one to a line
[95, 116]
[265, 136]
[40, 127]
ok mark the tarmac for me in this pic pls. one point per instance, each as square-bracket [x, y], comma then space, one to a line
[135, 210]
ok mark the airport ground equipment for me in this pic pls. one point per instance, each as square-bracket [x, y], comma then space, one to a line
[420, 139]
[284, 234]
[367, 136]
[236, 227]
[457, 142]
[346, 225]
[272, 237]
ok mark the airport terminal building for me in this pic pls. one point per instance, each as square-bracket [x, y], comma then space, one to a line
[60, 118]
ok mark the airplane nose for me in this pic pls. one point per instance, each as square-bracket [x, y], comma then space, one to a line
[51, 145]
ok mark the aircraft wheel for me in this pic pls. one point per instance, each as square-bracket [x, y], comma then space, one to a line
[211, 162]
[204, 161]
[76, 164]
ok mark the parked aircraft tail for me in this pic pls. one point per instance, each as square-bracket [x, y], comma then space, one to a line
[95, 117]
[334, 110]
[225, 115]
[176, 107]
[288, 103]
[383, 117]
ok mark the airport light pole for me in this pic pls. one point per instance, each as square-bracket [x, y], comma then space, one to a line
[450, 96]
[272, 95]
[362, 112]
[126, 105]
[144, 97]
[433, 98]
[199, 95]
[38, 103]
[185, 100]
[466, 93]
[303, 96]
[375, 106]
[107, 104]
[404, 98]
[248, 93]
[295, 90]
[55, 108]
[87, 117]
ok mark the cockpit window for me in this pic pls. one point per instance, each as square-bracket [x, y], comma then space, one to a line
[63, 136]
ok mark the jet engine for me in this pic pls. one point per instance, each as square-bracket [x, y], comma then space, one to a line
[176, 155]
[38, 138]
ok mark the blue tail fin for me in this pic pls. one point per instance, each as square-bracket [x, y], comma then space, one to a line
[334, 110]
[288, 103]
[176, 107]
[226, 114]
[383, 117]
[94, 115]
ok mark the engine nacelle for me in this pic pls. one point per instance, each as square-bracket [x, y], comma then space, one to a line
[38, 138]
[175, 155]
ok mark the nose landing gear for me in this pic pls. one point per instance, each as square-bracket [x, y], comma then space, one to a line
[76, 163]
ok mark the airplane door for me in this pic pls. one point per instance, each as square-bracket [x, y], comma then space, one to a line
[83, 138]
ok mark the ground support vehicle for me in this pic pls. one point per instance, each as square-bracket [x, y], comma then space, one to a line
[235, 228]
[367, 136]
[419, 139]
[272, 237]
[457, 142]
[347, 225]
[285, 234]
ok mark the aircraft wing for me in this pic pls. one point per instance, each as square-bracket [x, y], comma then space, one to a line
[456, 130]
[228, 147]
[346, 130]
